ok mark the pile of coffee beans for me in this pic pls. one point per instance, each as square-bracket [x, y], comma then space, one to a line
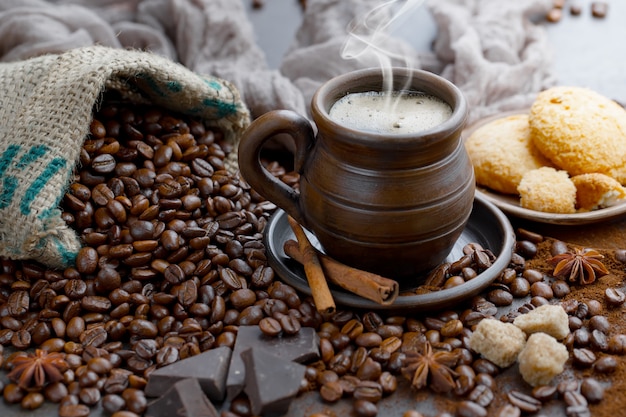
[174, 262]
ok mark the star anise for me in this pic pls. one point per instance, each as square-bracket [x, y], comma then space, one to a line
[38, 369]
[581, 265]
[430, 366]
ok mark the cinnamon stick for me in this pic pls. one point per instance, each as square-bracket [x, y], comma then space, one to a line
[322, 296]
[365, 284]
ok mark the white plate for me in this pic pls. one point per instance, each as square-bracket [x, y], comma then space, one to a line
[511, 206]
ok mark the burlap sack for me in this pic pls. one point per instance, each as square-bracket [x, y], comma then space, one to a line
[46, 108]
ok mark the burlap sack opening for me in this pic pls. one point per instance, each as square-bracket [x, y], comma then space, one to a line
[46, 106]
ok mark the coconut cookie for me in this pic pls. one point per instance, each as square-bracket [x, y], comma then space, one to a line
[594, 191]
[502, 152]
[579, 130]
[546, 189]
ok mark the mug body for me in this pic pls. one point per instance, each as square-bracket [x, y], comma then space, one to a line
[393, 204]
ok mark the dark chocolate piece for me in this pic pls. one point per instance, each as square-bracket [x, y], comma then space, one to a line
[209, 368]
[301, 347]
[271, 382]
[184, 399]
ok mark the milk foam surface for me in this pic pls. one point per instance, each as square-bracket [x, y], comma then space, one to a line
[395, 113]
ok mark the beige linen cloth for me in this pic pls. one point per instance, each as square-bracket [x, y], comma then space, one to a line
[491, 49]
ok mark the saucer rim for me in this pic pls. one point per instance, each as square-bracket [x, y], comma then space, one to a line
[484, 213]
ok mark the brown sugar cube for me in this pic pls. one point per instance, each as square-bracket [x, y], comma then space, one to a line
[497, 341]
[541, 359]
[548, 318]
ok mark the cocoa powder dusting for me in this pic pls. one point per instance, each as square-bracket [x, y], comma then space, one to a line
[614, 402]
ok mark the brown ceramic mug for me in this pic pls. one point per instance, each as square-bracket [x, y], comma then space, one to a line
[393, 204]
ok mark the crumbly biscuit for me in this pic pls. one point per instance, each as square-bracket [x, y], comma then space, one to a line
[502, 152]
[619, 173]
[541, 359]
[594, 191]
[548, 318]
[497, 341]
[548, 190]
[579, 130]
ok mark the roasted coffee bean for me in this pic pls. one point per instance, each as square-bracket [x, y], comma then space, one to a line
[567, 385]
[605, 365]
[577, 411]
[599, 341]
[465, 383]
[574, 399]
[592, 390]
[388, 382]
[112, 403]
[18, 303]
[253, 314]
[620, 255]
[103, 164]
[340, 363]
[32, 401]
[599, 9]
[364, 408]
[270, 326]
[21, 340]
[509, 410]
[544, 393]
[331, 391]
[470, 409]
[541, 289]
[582, 337]
[520, 287]
[87, 260]
[369, 391]
[481, 395]
[560, 288]
[524, 402]
[583, 358]
[136, 401]
[582, 311]
[526, 248]
[96, 304]
[289, 324]
[500, 297]
[74, 410]
[614, 297]
[483, 366]
[55, 391]
[89, 395]
[617, 344]
[558, 247]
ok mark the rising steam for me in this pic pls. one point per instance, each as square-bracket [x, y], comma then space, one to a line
[369, 36]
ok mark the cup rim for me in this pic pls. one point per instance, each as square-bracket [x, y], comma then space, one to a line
[362, 80]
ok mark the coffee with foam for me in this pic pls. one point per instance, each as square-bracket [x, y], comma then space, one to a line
[390, 113]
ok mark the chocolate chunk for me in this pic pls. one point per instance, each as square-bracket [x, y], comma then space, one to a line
[271, 382]
[209, 368]
[184, 399]
[300, 347]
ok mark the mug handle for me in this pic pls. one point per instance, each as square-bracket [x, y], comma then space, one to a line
[260, 131]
